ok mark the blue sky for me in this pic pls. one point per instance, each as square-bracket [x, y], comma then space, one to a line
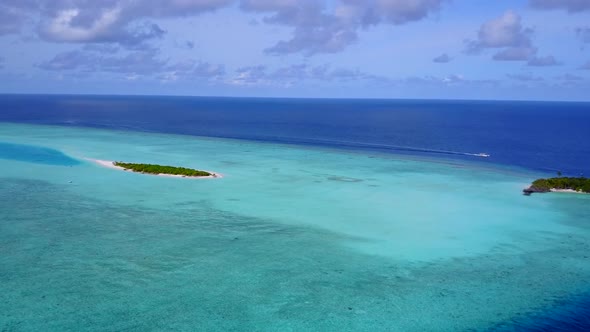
[449, 49]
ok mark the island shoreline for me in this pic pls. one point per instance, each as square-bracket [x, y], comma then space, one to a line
[110, 164]
[572, 185]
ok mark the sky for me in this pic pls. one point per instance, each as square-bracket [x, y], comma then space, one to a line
[430, 49]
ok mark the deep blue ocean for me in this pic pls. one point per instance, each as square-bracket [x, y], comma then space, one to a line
[545, 136]
[542, 136]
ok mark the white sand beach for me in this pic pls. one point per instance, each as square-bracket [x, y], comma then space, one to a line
[566, 191]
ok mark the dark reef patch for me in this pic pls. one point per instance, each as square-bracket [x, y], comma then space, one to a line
[35, 154]
[343, 179]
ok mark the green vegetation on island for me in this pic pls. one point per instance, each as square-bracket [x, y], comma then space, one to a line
[580, 184]
[159, 169]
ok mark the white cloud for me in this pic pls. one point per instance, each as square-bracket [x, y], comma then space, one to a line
[327, 29]
[117, 21]
[513, 41]
[319, 26]
[504, 31]
[61, 27]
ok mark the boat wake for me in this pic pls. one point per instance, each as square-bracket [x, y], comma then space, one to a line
[481, 154]
[372, 146]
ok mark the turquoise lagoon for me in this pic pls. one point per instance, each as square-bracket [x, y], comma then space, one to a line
[291, 238]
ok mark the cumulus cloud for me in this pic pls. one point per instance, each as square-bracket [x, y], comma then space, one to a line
[572, 6]
[100, 32]
[511, 40]
[505, 32]
[120, 21]
[319, 28]
[314, 30]
[82, 21]
[443, 58]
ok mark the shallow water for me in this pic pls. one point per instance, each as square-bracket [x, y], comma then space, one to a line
[292, 238]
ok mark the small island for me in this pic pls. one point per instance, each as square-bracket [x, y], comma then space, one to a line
[559, 184]
[157, 170]
[163, 170]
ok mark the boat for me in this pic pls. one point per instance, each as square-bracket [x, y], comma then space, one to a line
[484, 155]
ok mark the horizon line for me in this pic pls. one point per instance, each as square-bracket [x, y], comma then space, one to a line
[285, 97]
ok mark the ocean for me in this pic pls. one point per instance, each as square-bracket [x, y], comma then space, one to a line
[332, 215]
